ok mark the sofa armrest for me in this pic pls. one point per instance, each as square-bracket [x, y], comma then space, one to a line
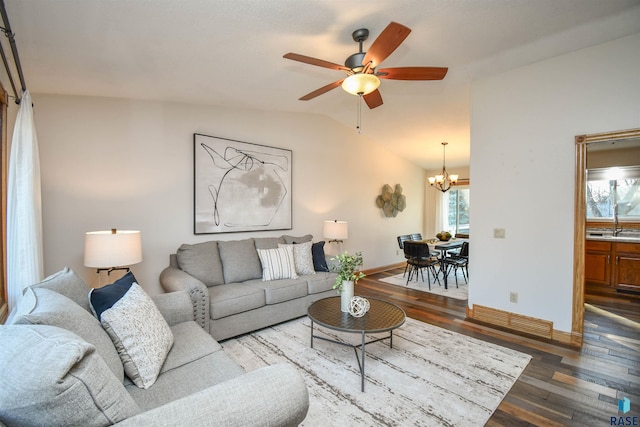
[272, 396]
[175, 307]
[173, 279]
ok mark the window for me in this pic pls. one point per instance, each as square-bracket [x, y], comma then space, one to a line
[612, 191]
[457, 203]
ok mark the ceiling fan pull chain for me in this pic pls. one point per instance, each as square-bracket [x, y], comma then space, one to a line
[359, 120]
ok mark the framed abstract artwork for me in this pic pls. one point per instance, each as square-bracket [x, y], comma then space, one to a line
[240, 186]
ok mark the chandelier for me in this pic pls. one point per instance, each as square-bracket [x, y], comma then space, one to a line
[444, 181]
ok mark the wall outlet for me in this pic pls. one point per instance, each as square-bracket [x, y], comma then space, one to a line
[499, 233]
[513, 297]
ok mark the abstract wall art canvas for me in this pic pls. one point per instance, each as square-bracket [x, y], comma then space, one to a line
[240, 186]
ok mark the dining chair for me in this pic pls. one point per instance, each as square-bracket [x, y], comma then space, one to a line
[419, 258]
[401, 239]
[458, 261]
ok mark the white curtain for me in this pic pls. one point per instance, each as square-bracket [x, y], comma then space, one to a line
[24, 207]
[442, 212]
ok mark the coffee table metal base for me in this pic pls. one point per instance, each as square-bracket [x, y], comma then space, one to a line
[360, 358]
[381, 318]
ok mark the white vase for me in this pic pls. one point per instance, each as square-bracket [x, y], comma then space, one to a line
[345, 295]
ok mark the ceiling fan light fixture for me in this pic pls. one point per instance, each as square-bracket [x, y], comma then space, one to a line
[361, 84]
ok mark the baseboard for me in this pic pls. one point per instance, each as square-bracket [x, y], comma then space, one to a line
[517, 322]
[523, 324]
[570, 338]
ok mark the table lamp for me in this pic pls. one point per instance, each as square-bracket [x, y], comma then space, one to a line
[112, 250]
[335, 231]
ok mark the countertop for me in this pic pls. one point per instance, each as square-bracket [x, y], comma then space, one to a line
[609, 238]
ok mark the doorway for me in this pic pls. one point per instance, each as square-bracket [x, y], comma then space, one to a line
[581, 142]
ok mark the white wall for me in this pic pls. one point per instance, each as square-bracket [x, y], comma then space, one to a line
[128, 164]
[523, 125]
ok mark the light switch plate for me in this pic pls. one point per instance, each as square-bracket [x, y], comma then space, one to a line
[513, 297]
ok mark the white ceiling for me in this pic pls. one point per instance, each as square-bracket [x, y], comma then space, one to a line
[229, 53]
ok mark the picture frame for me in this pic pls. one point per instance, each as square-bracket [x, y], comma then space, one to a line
[240, 186]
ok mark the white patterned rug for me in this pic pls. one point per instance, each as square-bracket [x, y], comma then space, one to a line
[461, 292]
[431, 376]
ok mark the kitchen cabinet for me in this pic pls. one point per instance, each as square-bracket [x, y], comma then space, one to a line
[627, 266]
[597, 263]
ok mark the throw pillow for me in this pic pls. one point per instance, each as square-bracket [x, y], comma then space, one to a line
[51, 376]
[290, 240]
[202, 261]
[302, 257]
[41, 306]
[277, 263]
[69, 284]
[319, 258]
[240, 260]
[267, 242]
[136, 327]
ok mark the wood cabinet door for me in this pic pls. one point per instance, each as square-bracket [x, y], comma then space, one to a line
[628, 272]
[597, 268]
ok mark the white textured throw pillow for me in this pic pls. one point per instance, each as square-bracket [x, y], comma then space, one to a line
[139, 332]
[277, 263]
[302, 257]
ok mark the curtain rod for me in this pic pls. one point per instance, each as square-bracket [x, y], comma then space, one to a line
[14, 50]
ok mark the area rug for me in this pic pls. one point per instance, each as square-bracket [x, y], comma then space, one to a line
[431, 376]
[461, 292]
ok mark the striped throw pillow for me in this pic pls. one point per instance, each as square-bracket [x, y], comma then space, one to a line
[277, 263]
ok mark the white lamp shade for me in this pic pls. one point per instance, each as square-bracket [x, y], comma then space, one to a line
[357, 84]
[336, 230]
[113, 248]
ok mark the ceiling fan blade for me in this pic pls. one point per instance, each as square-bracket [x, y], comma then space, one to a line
[413, 73]
[373, 99]
[386, 43]
[315, 61]
[323, 89]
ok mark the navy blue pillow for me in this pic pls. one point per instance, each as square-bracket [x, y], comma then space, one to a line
[319, 259]
[102, 299]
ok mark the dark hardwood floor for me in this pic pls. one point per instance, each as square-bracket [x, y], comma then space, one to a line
[561, 386]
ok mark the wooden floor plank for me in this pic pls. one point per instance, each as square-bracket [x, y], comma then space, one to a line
[529, 416]
[578, 383]
[561, 385]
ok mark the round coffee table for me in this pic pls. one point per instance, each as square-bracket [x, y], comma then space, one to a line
[381, 317]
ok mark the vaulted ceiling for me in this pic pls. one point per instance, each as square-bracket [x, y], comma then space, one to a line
[229, 53]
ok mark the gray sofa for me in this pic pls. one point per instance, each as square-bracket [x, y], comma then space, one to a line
[59, 367]
[225, 282]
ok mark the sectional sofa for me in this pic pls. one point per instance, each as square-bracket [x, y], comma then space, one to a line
[62, 367]
[239, 286]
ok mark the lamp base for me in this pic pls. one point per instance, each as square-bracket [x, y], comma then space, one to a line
[110, 269]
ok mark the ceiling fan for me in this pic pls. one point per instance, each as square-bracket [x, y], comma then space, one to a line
[361, 67]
